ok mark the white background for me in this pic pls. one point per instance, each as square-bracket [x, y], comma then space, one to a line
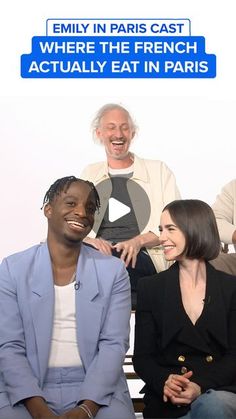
[45, 124]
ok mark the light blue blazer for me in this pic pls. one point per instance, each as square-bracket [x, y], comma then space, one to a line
[26, 321]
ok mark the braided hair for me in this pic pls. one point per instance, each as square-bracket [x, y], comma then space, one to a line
[63, 184]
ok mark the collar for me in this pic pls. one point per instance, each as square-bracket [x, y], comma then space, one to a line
[42, 277]
[212, 322]
[140, 171]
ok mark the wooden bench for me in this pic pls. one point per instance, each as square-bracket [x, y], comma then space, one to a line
[133, 382]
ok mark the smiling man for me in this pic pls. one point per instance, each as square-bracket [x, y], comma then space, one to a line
[64, 319]
[144, 186]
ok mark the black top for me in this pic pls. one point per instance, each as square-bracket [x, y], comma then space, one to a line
[166, 340]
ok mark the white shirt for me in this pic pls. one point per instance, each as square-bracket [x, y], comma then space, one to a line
[64, 346]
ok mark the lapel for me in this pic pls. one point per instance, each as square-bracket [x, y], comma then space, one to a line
[101, 174]
[174, 318]
[140, 205]
[42, 305]
[212, 321]
[214, 318]
[89, 309]
[140, 171]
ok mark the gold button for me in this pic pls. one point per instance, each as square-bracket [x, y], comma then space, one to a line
[209, 358]
[181, 358]
[184, 370]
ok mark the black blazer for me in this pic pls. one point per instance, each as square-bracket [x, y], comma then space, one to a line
[166, 340]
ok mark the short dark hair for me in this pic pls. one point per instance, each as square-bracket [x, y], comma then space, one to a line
[197, 222]
[63, 184]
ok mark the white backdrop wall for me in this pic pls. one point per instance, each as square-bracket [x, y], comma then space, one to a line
[45, 124]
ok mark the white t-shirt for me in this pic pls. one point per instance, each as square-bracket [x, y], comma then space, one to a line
[64, 346]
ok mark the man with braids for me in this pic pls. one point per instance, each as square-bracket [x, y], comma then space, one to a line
[64, 319]
[127, 237]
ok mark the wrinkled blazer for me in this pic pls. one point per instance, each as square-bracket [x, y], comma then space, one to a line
[166, 340]
[26, 321]
[158, 182]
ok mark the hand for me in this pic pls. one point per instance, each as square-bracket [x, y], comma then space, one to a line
[180, 390]
[103, 246]
[188, 395]
[175, 384]
[129, 250]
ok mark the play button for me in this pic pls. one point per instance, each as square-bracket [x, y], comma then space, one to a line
[116, 209]
[122, 201]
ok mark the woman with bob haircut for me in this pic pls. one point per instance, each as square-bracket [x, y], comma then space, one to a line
[185, 333]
